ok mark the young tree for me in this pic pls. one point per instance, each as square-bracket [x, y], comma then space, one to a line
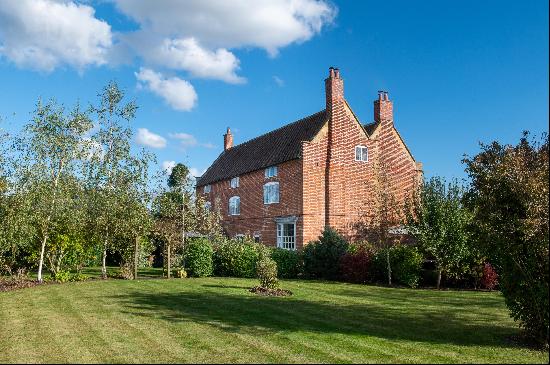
[509, 199]
[16, 231]
[439, 222]
[383, 213]
[167, 226]
[180, 183]
[106, 167]
[52, 146]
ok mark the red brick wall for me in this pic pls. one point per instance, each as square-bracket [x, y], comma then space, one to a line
[257, 217]
[327, 186]
[337, 189]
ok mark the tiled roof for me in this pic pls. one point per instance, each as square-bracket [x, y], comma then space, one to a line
[370, 127]
[275, 147]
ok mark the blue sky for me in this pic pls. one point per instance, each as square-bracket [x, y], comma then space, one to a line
[458, 72]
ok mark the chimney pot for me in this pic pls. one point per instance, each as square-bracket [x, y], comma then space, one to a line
[383, 107]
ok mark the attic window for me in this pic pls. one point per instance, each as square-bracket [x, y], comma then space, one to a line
[361, 153]
[271, 172]
[207, 189]
[234, 182]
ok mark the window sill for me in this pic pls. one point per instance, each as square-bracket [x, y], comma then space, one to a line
[271, 203]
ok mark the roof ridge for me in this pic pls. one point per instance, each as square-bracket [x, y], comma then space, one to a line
[281, 127]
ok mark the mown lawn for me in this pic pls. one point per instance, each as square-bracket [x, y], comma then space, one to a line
[218, 320]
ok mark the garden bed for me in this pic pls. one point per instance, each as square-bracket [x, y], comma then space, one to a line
[270, 292]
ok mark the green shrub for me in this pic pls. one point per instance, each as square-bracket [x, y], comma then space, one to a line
[289, 263]
[198, 258]
[236, 258]
[266, 270]
[406, 265]
[181, 273]
[322, 257]
[78, 277]
[61, 276]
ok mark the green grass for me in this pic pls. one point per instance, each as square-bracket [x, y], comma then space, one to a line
[218, 320]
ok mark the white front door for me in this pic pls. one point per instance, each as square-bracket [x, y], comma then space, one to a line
[286, 235]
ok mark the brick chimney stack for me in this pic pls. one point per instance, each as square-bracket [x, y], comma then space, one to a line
[383, 107]
[227, 140]
[334, 89]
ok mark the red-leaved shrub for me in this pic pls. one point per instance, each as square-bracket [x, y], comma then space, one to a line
[490, 277]
[355, 267]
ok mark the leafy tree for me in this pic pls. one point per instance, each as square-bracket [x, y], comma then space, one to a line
[52, 148]
[439, 222]
[382, 214]
[108, 166]
[508, 195]
[16, 230]
[180, 183]
[167, 224]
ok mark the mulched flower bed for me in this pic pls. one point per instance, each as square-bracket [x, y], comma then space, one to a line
[270, 292]
[7, 284]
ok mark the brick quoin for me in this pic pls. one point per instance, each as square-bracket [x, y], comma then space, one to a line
[325, 186]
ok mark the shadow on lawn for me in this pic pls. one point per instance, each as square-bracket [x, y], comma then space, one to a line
[267, 315]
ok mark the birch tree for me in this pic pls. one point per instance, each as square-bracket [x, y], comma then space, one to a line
[106, 166]
[52, 147]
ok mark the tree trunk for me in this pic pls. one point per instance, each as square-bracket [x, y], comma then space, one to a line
[168, 266]
[183, 224]
[136, 257]
[438, 279]
[49, 218]
[104, 261]
[41, 262]
[389, 266]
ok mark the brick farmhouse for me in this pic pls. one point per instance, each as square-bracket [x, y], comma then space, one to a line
[285, 186]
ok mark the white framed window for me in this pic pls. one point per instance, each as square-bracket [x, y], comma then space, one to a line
[207, 189]
[271, 172]
[257, 238]
[286, 236]
[234, 205]
[234, 182]
[239, 237]
[361, 153]
[207, 206]
[271, 193]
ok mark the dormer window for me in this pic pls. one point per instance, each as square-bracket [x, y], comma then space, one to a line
[207, 189]
[234, 182]
[271, 172]
[361, 153]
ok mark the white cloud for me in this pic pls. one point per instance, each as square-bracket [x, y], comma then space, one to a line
[187, 54]
[280, 82]
[44, 34]
[188, 140]
[167, 166]
[178, 93]
[146, 138]
[196, 172]
[267, 24]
